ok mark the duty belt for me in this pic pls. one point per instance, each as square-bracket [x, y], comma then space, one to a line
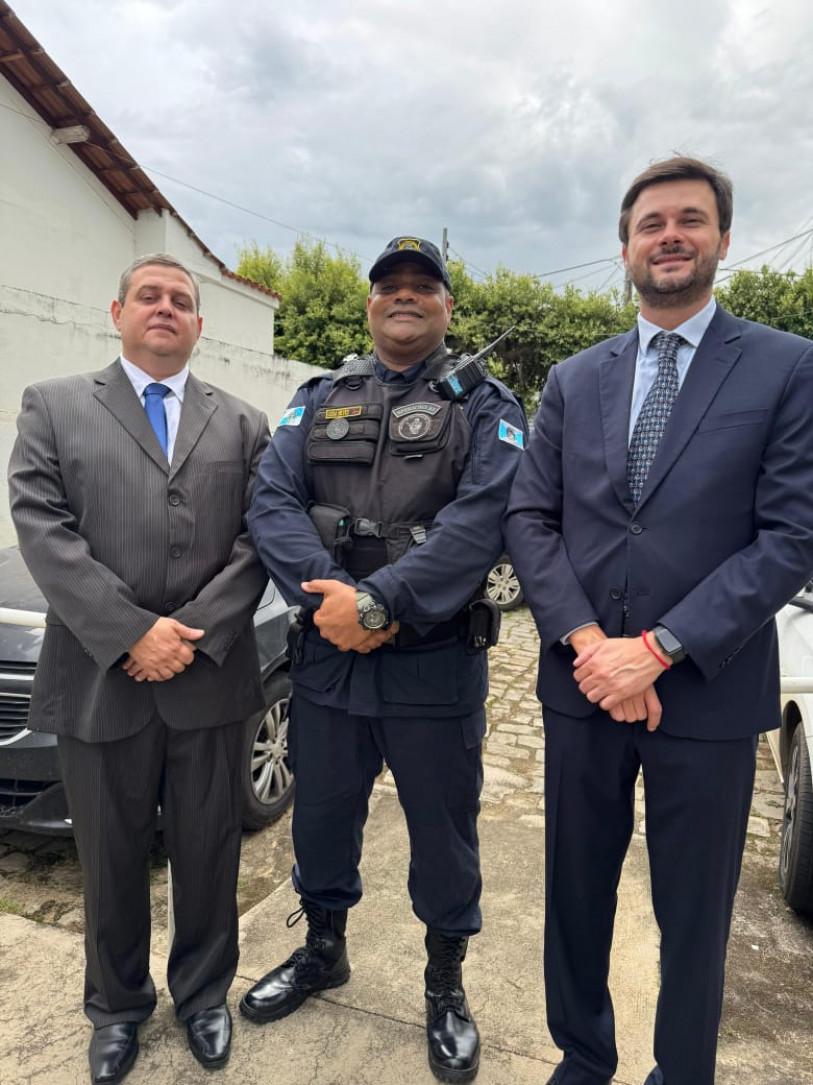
[451, 629]
[379, 530]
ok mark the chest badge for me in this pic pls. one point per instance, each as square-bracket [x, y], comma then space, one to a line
[414, 420]
[337, 428]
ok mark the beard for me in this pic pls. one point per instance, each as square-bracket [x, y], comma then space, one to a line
[679, 288]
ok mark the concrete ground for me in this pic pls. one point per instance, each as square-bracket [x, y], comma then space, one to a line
[370, 1032]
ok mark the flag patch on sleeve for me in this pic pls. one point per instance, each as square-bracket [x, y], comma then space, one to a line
[511, 434]
[292, 417]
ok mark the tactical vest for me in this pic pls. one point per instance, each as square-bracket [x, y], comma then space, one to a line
[390, 455]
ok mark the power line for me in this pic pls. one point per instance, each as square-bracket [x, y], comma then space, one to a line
[132, 163]
[771, 248]
[576, 267]
[257, 214]
[468, 263]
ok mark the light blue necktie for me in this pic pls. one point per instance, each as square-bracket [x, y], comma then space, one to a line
[651, 422]
[156, 412]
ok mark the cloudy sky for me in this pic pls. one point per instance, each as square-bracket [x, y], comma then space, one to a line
[516, 124]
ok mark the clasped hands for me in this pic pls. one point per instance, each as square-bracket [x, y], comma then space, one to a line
[165, 650]
[617, 674]
[337, 619]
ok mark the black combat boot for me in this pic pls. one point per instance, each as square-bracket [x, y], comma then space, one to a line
[318, 965]
[454, 1043]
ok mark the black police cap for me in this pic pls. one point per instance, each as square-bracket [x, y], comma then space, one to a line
[415, 250]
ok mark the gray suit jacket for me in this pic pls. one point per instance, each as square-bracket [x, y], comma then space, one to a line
[115, 537]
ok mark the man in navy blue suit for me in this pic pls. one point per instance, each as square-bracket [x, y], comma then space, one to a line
[661, 516]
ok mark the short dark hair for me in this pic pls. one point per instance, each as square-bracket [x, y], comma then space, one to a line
[156, 259]
[680, 168]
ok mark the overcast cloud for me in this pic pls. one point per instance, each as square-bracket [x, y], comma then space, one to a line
[515, 124]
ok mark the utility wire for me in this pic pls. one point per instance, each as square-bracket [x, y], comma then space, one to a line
[576, 267]
[468, 263]
[131, 162]
[257, 214]
[771, 248]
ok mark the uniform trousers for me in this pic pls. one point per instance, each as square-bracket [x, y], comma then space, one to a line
[697, 796]
[437, 768]
[114, 789]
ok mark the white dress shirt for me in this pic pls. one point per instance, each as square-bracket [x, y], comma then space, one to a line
[173, 401]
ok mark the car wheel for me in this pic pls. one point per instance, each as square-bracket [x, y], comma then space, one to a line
[502, 585]
[268, 783]
[796, 854]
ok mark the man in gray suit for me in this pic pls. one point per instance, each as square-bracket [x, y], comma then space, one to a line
[129, 489]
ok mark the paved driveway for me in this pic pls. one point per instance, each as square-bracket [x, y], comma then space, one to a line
[767, 1029]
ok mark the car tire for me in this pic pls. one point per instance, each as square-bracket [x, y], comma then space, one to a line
[502, 585]
[268, 783]
[796, 851]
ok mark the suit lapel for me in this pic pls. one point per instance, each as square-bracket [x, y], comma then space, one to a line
[114, 390]
[717, 353]
[196, 412]
[616, 376]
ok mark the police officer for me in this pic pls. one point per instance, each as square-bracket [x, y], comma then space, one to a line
[377, 508]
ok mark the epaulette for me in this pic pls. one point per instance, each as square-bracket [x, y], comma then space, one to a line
[356, 367]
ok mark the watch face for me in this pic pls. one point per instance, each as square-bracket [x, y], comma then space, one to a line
[374, 617]
[670, 645]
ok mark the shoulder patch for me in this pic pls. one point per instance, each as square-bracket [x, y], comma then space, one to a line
[512, 435]
[292, 417]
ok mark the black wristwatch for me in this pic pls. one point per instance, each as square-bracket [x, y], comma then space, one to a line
[668, 644]
[372, 615]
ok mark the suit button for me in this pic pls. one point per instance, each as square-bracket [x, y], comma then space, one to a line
[170, 606]
[175, 552]
[636, 528]
[616, 593]
[174, 499]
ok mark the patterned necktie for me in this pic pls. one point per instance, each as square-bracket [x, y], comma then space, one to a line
[156, 412]
[657, 407]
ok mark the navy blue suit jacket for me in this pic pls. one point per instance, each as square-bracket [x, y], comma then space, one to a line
[721, 538]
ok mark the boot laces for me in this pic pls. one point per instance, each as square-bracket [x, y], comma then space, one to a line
[306, 959]
[294, 917]
[446, 980]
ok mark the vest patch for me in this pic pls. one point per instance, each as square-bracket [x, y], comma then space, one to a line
[337, 428]
[410, 408]
[292, 417]
[343, 412]
[511, 434]
[413, 426]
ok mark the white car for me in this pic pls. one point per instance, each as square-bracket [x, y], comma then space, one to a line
[792, 747]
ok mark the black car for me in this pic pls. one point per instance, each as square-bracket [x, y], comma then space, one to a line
[31, 793]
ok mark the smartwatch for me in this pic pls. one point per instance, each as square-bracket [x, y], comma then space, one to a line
[669, 644]
[372, 615]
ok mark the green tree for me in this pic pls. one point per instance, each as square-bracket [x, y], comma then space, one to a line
[547, 326]
[262, 266]
[322, 313]
[780, 299]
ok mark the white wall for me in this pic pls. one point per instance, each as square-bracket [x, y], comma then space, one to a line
[64, 241]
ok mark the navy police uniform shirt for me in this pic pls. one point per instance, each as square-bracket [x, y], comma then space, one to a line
[428, 585]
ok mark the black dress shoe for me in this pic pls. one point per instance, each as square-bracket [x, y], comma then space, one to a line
[209, 1035]
[112, 1052]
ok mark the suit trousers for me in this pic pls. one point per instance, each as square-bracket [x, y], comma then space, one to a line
[437, 768]
[114, 789]
[697, 796]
